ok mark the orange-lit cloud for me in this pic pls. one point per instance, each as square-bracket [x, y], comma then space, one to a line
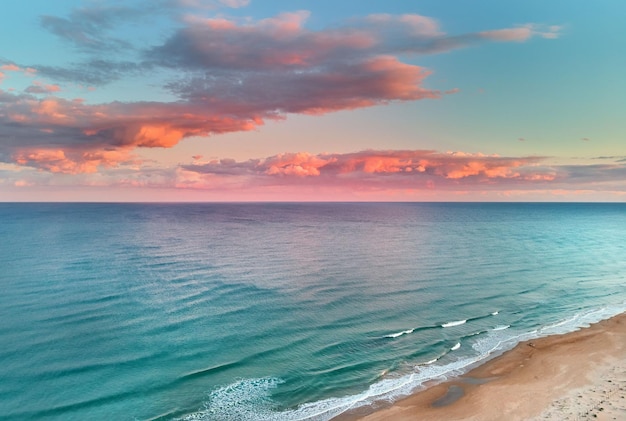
[228, 75]
[60, 161]
[365, 175]
[396, 174]
[405, 166]
[298, 164]
[57, 126]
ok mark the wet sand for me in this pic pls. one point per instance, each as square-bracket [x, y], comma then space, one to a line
[575, 376]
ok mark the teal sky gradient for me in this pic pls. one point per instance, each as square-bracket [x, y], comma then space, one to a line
[192, 100]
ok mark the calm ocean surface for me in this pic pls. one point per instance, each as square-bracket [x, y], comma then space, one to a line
[282, 311]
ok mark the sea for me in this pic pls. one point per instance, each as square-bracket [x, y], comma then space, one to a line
[283, 311]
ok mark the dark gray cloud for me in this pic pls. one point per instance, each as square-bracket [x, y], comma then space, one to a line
[344, 86]
[595, 173]
[89, 28]
[282, 42]
[617, 158]
[96, 72]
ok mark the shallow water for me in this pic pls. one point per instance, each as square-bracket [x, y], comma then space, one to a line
[282, 311]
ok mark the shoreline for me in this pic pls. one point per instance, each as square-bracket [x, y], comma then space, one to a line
[578, 375]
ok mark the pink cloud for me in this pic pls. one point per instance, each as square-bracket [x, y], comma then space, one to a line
[78, 127]
[403, 165]
[233, 75]
[365, 175]
[385, 175]
[271, 43]
[395, 174]
[75, 162]
[282, 42]
[210, 4]
[522, 33]
[23, 183]
[235, 4]
[40, 88]
[10, 68]
[298, 164]
[513, 34]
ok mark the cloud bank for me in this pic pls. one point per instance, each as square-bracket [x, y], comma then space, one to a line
[364, 175]
[370, 170]
[226, 75]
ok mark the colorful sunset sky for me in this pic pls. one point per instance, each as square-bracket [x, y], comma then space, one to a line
[318, 100]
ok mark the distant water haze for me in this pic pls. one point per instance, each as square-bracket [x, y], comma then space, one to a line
[283, 311]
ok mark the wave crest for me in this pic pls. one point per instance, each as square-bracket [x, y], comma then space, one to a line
[397, 334]
[455, 323]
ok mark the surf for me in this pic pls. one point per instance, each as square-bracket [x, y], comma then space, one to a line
[455, 323]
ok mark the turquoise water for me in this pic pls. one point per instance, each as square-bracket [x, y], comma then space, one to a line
[282, 311]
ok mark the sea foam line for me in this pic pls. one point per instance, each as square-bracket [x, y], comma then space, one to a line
[248, 399]
[395, 335]
[501, 327]
[456, 323]
[447, 324]
[233, 401]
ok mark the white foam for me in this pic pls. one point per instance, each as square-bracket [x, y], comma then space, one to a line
[455, 347]
[248, 399]
[429, 362]
[580, 320]
[497, 340]
[495, 313]
[395, 335]
[456, 323]
[245, 400]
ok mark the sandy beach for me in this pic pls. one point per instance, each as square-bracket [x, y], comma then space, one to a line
[576, 376]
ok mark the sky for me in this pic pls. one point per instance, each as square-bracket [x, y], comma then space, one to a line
[317, 100]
